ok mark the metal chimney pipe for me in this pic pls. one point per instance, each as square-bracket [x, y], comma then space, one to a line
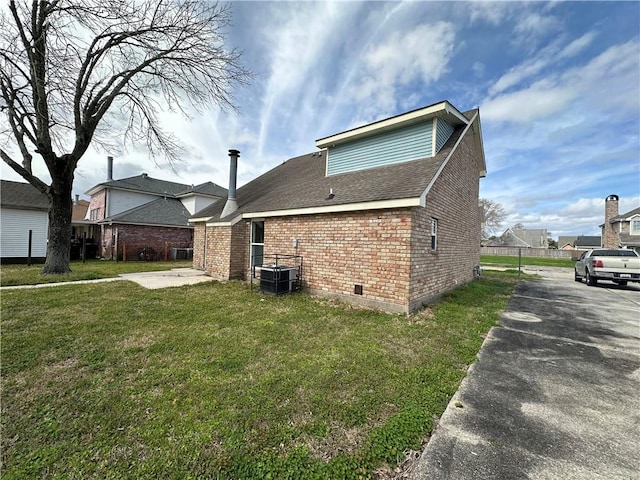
[77, 199]
[231, 205]
[109, 169]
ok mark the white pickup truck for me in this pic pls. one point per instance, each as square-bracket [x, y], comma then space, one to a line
[619, 266]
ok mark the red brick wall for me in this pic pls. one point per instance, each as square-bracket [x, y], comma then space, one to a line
[453, 201]
[134, 238]
[98, 201]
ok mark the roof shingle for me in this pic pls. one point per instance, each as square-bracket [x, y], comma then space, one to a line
[22, 196]
[301, 182]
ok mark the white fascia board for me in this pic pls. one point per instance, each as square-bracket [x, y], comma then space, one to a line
[228, 223]
[200, 219]
[423, 197]
[116, 222]
[408, 118]
[347, 207]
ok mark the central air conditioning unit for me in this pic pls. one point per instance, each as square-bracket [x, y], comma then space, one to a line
[278, 279]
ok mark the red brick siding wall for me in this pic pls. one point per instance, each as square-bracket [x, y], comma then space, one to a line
[369, 248]
[98, 201]
[453, 201]
[161, 239]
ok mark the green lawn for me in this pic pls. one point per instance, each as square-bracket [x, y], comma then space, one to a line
[91, 270]
[506, 261]
[217, 381]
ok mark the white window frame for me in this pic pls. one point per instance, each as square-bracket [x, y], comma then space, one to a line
[633, 230]
[434, 234]
[255, 244]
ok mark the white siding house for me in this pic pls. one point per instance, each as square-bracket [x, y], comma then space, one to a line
[23, 209]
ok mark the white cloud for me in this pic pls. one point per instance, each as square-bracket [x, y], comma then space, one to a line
[402, 59]
[606, 81]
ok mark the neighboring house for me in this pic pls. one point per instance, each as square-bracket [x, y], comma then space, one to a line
[142, 213]
[620, 231]
[384, 215]
[525, 238]
[82, 230]
[23, 209]
[566, 242]
[581, 242]
[588, 242]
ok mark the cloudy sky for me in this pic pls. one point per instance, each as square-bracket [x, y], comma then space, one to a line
[558, 86]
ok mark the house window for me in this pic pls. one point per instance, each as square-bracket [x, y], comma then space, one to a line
[635, 227]
[94, 214]
[257, 242]
[434, 234]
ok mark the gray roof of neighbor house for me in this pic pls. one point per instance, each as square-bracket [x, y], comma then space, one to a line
[508, 239]
[588, 241]
[301, 182]
[534, 237]
[145, 183]
[566, 240]
[630, 240]
[635, 211]
[163, 211]
[22, 196]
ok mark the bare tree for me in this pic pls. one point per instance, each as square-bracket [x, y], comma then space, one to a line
[75, 73]
[492, 217]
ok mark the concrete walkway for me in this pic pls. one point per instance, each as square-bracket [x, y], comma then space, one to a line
[553, 394]
[175, 277]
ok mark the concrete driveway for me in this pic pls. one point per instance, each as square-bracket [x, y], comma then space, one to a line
[555, 392]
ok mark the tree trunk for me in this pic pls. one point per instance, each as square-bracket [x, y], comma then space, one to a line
[59, 244]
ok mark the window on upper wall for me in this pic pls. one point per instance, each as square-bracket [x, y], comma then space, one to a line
[434, 234]
[635, 227]
[94, 214]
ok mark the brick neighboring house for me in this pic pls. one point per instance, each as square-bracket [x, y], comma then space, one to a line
[620, 231]
[23, 208]
[142, 212]
[384, 215]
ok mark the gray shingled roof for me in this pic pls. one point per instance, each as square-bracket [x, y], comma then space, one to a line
[163, 211]
[630, 240]
[589, 241]
[23, 196]
[508, 239]
[635, 211]
[145, 183]
[301, 182]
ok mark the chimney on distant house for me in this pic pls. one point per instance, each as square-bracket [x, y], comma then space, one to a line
[109, 169]
[231, 205]
[610, 238]
[77, 201]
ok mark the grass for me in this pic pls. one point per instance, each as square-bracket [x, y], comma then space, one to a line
[508, 261]
[91, 270]
[217, 381]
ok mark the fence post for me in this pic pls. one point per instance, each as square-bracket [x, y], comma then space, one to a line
[84, 246]
[519, 261]
[124, 251]
[29, 248]
[166, 250]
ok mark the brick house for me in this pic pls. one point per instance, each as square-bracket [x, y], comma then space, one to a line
[620, 231]
[143, 213]
[384, 215]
